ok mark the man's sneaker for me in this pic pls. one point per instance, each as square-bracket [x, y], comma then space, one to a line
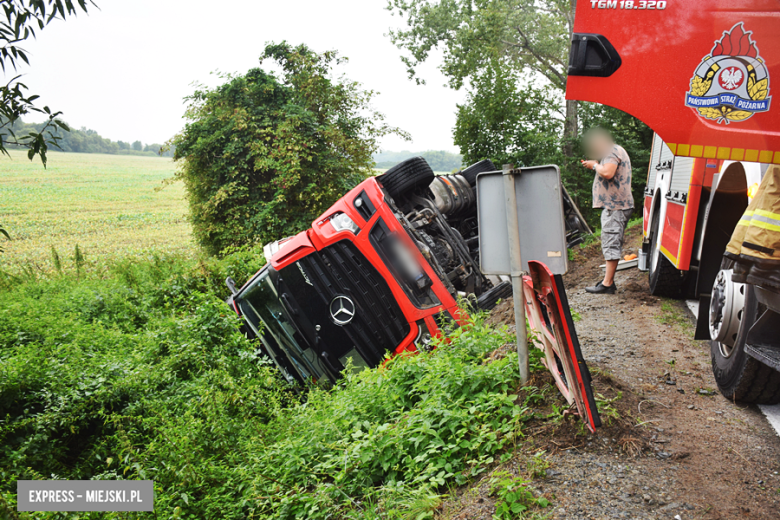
[600, 288]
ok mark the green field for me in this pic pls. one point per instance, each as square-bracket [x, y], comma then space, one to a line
[110, 205]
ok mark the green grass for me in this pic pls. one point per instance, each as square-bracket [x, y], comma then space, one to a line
[110, 205]
[634, 222]
[139, 371]
[674, 313]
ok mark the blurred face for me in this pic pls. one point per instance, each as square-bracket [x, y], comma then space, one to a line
[597, 144]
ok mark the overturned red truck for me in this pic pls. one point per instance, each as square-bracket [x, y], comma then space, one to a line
[378, 273]
[700, 74]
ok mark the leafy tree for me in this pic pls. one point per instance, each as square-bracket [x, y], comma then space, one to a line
[85, 140]
[138, 146]
[508, 121]
[526, 35]
[494, 46]
[22, 19]
[261, 157]
[439, 160]
[154, 148]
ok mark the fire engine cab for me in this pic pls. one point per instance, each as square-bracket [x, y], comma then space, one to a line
[700, 74]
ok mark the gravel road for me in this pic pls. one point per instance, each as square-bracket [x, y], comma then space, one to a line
[677, 450]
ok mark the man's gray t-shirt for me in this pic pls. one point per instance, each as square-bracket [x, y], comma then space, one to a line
[614, 193]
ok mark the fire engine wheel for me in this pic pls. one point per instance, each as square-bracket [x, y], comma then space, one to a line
[739, 376]
[470, 173]
[406, 176]
[664, 278]
[490, 298]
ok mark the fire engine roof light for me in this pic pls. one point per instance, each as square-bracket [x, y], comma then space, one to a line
[342, 222]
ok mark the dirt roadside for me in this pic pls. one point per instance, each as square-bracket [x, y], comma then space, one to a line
[675, 447]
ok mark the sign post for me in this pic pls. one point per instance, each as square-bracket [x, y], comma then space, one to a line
[516, 272]
[522, 229]
[521, 211]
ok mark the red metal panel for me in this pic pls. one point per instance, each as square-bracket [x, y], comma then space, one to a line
[549, 316]
[292, 250]
[688, 234]
[670, 239]
[646, 209]
[663, 51]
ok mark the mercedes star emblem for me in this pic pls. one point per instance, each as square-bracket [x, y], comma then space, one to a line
[342, 310]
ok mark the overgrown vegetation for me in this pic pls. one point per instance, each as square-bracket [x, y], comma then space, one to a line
[262, 157]
[138, 371]
[514, 497]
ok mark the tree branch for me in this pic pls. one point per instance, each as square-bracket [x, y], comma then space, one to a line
[561, 79]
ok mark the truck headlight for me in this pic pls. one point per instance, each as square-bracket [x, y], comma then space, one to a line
[341, 222]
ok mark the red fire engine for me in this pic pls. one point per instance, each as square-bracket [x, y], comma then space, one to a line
[700, 74]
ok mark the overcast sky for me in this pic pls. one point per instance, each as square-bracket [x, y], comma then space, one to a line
[124, 68]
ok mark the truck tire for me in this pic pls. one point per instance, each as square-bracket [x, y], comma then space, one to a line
[664, 278]
[740, 377]
[489, 299]
[406, 176]
[470, 173]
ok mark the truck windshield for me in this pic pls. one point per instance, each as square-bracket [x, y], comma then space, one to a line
[261, 307]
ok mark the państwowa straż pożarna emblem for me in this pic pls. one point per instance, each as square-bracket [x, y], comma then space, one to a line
[732, 83]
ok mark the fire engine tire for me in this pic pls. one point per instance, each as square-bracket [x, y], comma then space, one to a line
[406, 176]
[664, 278]
[740, 377]
[490, 298]
[470, 173]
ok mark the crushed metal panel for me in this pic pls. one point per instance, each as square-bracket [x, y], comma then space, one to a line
[539, 214]
[548, 314]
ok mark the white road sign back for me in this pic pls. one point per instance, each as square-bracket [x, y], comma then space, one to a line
[541, 224]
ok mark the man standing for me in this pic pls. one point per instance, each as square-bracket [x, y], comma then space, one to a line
[611, 194]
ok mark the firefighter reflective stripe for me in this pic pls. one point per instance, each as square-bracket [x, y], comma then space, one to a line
[765, 220]
[759, 239]
[746, 218]
[757, 235]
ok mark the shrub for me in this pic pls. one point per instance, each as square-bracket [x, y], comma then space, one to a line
[262, 157]
[138, 371]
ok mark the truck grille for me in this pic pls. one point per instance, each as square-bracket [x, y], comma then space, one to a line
[379, 325]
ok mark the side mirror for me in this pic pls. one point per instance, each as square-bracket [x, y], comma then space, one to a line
[592, 55]
[231, 284]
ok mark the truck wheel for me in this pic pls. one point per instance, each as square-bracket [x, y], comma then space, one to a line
[489, 299]
[470, 173]
[406, 176]
[665, 279]
[739, 376]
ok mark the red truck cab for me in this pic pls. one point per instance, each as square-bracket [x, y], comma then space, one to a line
[355, 286]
